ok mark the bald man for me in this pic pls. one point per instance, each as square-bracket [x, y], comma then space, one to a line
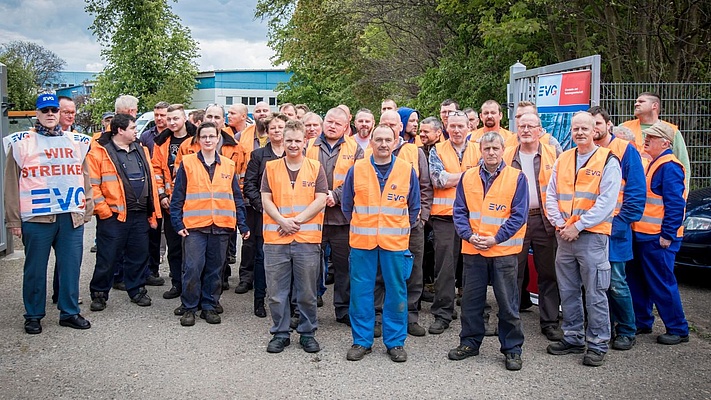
[236, 120]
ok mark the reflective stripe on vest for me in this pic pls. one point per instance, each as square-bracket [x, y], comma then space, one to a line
[651, 221]
[443, 199]
[292, 201]
[209, 202]
[51, 177]
[618, 147]
[380, 220]
[488, 213]
[577, 192]
[346, 157]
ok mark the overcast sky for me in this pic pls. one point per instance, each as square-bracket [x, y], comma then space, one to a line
[229, 37]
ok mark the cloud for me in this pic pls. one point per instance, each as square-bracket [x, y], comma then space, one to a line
[234, 54]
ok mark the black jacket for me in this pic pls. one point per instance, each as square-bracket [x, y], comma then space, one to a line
[253, 176]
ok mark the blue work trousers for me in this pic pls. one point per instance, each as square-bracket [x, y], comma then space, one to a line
[203, 256]
[396, 267]
[584, 263]
[652, 283]
[620, 299]
[282, 262]
[502, 272]
[67, 242]
[117, 241]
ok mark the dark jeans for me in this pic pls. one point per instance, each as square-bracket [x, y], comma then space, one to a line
[175, 252]
[116, 240]
[204, 254]
[260, 281]
[448, 246]
[250, 248]
[338, 237]
[154, 236]
[502, 272]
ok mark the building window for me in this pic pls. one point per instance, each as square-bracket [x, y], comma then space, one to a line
[260, 99]
[228, 100]
[252, 101]
[272, 101]
[245, 100]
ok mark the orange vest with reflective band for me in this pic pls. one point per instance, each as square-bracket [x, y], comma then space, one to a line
[651, 222]
[488, 212]
[474, 136]
[407, 152]
[292, 201]
[443, 199]
[346, 158]
[548, 158]
[577, 193]
[234, 153]
[636, 127]
[380, 220]
[209, 202]
[618, 147]
[246, 139]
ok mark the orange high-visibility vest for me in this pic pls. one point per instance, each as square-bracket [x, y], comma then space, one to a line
[247, 141]
[636, 127]
[380, 220]
[618, 147]
[209, 202]
[548, 158]
[475, 135]
[651, 222]
[292, 201]
[234, 152]
[346, 158]
[443, 199]
[407, 152]
[577, 193]
[488, 212]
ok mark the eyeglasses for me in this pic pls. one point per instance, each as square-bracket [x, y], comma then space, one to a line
[527, 127]
[456, 113]
[68, 112]
[52, 110]
[209, 137]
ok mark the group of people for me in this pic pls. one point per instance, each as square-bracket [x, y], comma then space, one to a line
[347, 200]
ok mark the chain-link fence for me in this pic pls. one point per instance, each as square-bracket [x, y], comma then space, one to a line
[687, 105]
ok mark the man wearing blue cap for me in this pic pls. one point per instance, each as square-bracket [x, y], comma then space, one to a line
[48, 197]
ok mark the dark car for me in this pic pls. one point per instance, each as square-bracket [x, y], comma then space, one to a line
[695, 248]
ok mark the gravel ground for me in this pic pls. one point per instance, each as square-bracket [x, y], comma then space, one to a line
[134, 352]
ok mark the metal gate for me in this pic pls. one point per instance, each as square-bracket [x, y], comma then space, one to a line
[3, 131]
[687, 105]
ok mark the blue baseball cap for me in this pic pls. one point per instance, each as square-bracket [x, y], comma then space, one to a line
[47, 100]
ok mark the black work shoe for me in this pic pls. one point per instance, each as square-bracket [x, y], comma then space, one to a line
[461, 352]
[593, 358]
[513, 362]
[438, 326]
[259, 309]
[75, 322]
[210, 316]
[562, 347]
[357, 352]
[55, 298]
[397, 354]
[319, 301]
[219, 309]
[93, 249]
[623, 342]
[188, 318]
[644, 331]
[231, 259]
[142, 298]
[669, 339]
[243, 288]
[378, 329]
[180, 310]
[119, 286]
[346, 319]
[309, 344]
[415, 329]
[173, 293]
[98, 303]
[152, 280]
[330, 279]
[277, 344]
[33, 326]
[552, 333]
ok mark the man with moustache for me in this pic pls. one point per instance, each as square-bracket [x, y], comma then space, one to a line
[364, 123]
[580, 201]
[409, 119]
[491, 115]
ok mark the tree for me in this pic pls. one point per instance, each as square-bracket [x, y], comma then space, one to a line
[29, 68]
[149, 54]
